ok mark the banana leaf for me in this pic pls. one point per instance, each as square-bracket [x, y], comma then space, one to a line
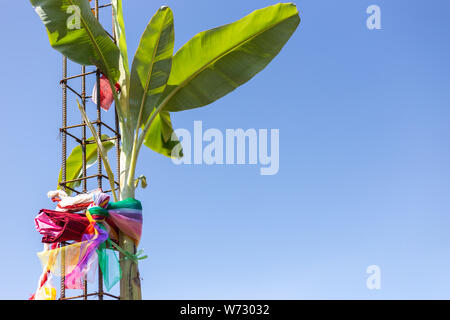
[86, 43]
[217, 61]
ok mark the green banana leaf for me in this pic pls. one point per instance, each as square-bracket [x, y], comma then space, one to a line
[74, 164]
[87, 45]
[217, 61]
[124, 78]
[159, 137]
[119, 29]
[151, 65]
[149, 74]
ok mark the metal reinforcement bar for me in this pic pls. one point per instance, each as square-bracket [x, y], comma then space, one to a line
[83, 142]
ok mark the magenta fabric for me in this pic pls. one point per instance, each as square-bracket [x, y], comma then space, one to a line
[75, 278]
[58, 226]
[46, 226]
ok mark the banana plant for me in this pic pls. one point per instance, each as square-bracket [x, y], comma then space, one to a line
[209, 66]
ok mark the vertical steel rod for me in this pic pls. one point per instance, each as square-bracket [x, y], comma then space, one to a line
[63, 167]
[99, 131]
[116, 120]
[99, 159]
[83, 148]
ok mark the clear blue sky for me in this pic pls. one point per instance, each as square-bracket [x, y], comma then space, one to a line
[364, 159]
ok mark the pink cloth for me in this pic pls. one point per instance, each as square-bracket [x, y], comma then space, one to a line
[129, 222]
[45, 225]
[106, 94]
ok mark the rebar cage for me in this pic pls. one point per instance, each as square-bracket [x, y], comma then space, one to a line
[74, 86]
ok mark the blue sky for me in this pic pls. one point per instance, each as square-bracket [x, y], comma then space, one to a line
[364, 159]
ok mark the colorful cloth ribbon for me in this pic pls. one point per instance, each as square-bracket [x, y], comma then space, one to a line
[104, 220]
[125, 215]
[45, 289]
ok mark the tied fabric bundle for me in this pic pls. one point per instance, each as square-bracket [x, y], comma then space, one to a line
[125, 215]
[94, 234]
